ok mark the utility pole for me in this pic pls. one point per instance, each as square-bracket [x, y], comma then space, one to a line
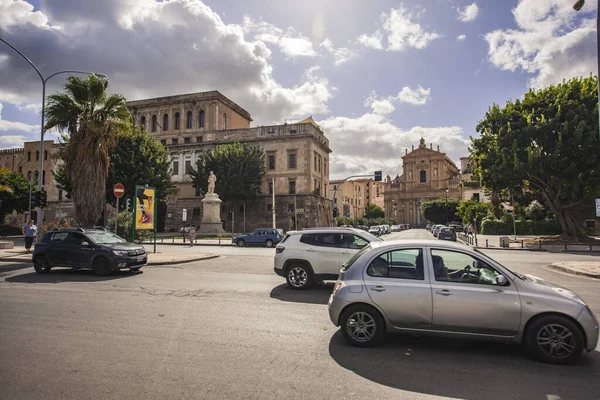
[274, 222]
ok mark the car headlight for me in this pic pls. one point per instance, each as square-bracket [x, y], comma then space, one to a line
[121, 252]
[569, 295]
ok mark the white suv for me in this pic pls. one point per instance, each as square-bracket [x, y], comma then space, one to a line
[313, 255]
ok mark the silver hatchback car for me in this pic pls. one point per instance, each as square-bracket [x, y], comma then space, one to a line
[449, 289]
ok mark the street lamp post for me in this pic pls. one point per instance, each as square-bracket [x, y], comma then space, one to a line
[446, 206]
[40, 216]
[578, 5]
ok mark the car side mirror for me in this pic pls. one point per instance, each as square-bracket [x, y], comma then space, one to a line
[501, 280]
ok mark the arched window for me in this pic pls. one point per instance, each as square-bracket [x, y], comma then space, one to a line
[177, 121]
[29, 175]
[28, 156]
[423, 176]
[224, 121]
[143, 123]
[188, 122]
[36, 176]
[154, 123]
[165, 122]
[201, 119]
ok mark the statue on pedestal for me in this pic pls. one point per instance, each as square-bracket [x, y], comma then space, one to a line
[212, 178]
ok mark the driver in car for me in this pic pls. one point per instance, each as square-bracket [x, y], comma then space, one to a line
[440, 270]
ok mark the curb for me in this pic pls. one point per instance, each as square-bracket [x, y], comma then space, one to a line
[573, 272]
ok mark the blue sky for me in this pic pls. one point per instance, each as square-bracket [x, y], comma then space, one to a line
[377, 75]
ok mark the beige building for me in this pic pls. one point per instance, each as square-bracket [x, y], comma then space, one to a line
[296, 159]
[470, 188]
[351, 197]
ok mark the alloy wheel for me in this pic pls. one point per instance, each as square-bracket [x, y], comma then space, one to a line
[361, 326]
[298, 277]
[556, 341]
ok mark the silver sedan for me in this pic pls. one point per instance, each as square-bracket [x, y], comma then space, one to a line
[449, 289]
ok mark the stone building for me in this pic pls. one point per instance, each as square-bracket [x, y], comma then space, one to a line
[353, 196]
[428, 174]
[296, 160]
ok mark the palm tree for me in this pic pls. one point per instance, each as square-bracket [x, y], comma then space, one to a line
[5, 188]
[92, 120]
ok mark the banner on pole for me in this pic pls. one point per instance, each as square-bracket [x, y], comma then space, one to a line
[145, 217]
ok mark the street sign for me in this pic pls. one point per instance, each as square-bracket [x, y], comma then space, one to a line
[597, 207]
[119, 190]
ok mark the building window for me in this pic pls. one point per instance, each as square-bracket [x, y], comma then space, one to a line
[36, 176]
[319, 164]
[37, 156]
[271, 158]
[290, 207]
[187, 140]
[271, 187]
[423, 176]
[224, 121]
[292, 161]
[154, 123]
[198, 139]
[188, 166]
[316, 184]
[28, 156]
[188, 120]
[20, 169]
[165, 122]
[201, 119]
[476, 196]
[45, 155]
[43, 177]
[292, 186]
[315, 160]
[29, 175]
[163, 142]
[325, 167]
[270, 208]
[174, 141]
[177, 121]
[60, 195]
[143, 123]
[175, 170]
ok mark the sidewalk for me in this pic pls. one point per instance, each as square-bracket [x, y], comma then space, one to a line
[583, 268]
[154, 259]
[532, 243]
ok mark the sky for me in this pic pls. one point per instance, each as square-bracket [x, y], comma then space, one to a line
[377, 75]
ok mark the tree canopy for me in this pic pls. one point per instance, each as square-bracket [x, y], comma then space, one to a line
[374, 211]
[239, 169]
[547, 143]
[440, 211]
[14, 193]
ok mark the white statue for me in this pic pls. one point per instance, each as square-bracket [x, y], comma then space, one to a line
[212, 178]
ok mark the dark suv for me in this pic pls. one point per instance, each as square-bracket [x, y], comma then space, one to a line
[102, 251]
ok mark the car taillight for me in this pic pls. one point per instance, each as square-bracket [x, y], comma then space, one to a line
[337, 287]
[279, 249]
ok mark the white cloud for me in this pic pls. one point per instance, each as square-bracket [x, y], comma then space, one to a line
[340, 54]
[378, 144]
[461, 37]
[419, 96]
[11, 141]
[469, 13]
[1, 110]
[31, 107]
[550, 44]
[17, 126]
[20, 12]
[385, 106]
[401, 31]
[136, 41]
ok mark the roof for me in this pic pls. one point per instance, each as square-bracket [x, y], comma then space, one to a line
[422, 243]
[311, 121]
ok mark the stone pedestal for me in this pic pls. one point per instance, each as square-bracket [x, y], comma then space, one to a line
[211, 217]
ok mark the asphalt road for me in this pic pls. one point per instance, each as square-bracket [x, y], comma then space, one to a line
[229, 328]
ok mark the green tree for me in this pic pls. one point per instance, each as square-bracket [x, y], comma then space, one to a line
[14, 193]
[374, 211]
[471, 209]
[239, 169]
[547, 143]
[440, 211]
[91, 119]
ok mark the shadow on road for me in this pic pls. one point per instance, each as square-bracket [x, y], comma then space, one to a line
[467, 369]
[68, 275]
[4, 268]
[318, 294]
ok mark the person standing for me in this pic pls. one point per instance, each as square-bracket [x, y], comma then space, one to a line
[29, 231]
[192, 234]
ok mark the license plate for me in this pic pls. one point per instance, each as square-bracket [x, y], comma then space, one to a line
[141, 258]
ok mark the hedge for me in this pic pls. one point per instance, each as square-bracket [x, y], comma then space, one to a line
[7, 230]
[498, 227]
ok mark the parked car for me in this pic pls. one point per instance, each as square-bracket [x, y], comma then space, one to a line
[447, 234]
[456, 227]
[422, 287]
[428, 227]
[310, 256]
[268, 237]
[95, 249]
[395, 228]
[375, 230]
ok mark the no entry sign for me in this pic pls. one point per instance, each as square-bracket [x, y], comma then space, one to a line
[119, 190]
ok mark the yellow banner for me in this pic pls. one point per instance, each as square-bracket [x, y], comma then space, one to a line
[144, 216]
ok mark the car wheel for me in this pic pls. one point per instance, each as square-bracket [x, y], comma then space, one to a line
[554, 339]
[299, 277]
[362, 325]
[241, 243]
[41, 265]
[269, 243]
[101, 266]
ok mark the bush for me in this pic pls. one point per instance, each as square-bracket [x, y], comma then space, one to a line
[48, 226]
[124, 228]
[505, 227]
[7, 230]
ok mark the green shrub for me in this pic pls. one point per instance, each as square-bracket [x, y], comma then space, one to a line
[7, 230]
[505, 227]
[48, 226]
[124, 228]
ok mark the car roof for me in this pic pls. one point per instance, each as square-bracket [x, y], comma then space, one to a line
[421, 243]
[324, 230]
[78, 229]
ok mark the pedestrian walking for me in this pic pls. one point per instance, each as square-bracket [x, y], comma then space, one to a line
[192, 235]
[29, 231]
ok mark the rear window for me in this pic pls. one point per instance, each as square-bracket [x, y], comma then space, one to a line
[355, 257]
[285, 238]
[320, 239]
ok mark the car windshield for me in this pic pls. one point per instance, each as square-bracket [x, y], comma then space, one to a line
[520, 276]
[346, 266]
[105, 237]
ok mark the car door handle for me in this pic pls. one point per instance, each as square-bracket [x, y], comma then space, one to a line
[378, 289]
[444, 292]
[346, 252]
[310, 251]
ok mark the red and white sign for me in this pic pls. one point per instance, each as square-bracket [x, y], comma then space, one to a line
[119, 190]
